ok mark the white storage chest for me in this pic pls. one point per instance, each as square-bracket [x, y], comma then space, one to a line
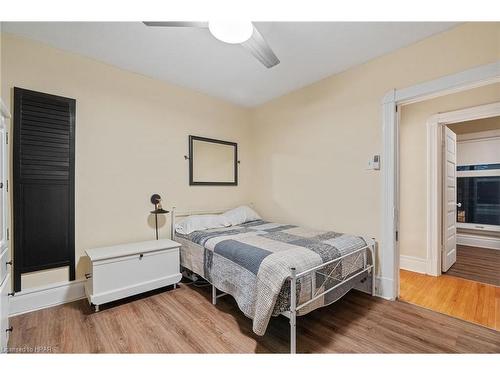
[124, 270]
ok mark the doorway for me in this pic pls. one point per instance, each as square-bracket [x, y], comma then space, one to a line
[458, 274]
[476, 149]
[477, 217]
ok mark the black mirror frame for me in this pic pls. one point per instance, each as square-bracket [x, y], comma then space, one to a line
[193, 138]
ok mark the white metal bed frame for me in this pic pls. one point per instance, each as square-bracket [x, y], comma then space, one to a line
[294, 277]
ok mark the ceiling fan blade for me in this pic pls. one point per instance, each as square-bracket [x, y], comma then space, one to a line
[176, 23]
[258, 47]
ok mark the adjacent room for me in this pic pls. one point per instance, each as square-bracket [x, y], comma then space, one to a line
[478, 200]
[449, 240]
[236, 187]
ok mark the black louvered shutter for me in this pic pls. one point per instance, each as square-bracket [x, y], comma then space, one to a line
[44, 183]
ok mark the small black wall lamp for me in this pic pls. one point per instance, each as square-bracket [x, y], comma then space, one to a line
[156, 200]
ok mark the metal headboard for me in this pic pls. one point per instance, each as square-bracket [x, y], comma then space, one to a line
[174, 213]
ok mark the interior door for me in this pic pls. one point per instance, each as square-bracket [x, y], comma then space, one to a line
[3, 189]
[4, 249]
[449, 235]
[4, 314]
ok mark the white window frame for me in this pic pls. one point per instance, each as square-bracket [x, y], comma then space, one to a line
[388, 277]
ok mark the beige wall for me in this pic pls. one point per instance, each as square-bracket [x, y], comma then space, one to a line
[131, 138]
[313, 145]
[485, 124]
[413, 154]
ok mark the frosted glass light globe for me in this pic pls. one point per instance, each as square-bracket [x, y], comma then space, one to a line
[232, 32]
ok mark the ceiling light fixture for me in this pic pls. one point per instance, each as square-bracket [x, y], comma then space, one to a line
[236, 32]
[232, 32]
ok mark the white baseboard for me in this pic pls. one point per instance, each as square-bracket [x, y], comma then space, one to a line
[57, 294]
[413, 264]
[478, 241]
[48, 296]
[384, 287]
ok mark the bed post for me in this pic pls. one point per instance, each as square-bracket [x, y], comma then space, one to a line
[172, 223]
[293, 310]
[372, 250]
[214, 295]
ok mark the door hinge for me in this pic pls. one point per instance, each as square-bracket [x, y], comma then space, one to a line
[7, 185]
[7, 137]
[8, 236]
[397, 236]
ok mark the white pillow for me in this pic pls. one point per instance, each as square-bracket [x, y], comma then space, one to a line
[240, 215]
[201, 222]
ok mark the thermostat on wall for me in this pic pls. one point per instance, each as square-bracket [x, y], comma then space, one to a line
[374, 163]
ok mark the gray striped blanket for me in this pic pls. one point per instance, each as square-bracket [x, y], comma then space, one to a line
[252, 262]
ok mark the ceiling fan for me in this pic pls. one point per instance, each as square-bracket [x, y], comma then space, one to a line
[232, 32]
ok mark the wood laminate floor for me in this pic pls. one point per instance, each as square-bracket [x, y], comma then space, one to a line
[478, 264]
[464, 299]
[184, 321]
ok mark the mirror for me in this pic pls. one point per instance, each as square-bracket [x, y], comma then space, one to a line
[212, 161]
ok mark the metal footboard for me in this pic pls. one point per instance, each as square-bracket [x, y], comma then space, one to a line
[359, 255]
[316, 293]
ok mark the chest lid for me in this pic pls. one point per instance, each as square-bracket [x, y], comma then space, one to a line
[117, 251]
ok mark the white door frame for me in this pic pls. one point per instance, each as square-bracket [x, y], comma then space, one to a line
[388, 275]
[434, 147]
[4, 115]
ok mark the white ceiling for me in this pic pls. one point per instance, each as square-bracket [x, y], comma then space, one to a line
[190, 57]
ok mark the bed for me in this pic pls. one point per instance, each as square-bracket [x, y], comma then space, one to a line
[273, 268]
